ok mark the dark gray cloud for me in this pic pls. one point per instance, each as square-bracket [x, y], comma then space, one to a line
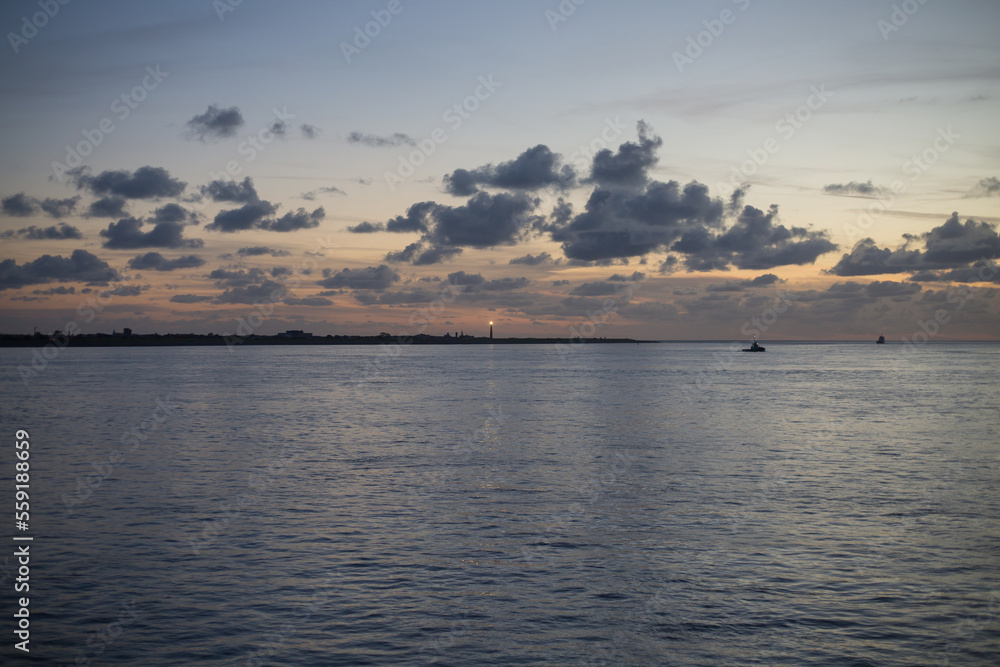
[980, 272]
[888, 288]
[242, 192]
[154, 261]
[125, 290]
[855, 189]
[400, 298]
[19, 205]
[173, 213]
[867, 259]
[215, 123]
[108, 207]
[59, 208]
[278, 128]
[755, 241]
[127, 234]
[987, 187]
[265, 292]
[190, 298]
[52, 233]
[81, 266]
[485, 221]
[248, 216]
[55, 291]
[309, 131]
[262, 250]
[533, 169]
[307, 301]
[765, 280]
[625, 223]
[366, 228]
[145, 183]
[238, 278]
[953, 245]
[630, 165]
[534, 260]
[376, 141]
[293, 221]
[376, 278]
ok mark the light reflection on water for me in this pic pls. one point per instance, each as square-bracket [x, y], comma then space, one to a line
[508, 504]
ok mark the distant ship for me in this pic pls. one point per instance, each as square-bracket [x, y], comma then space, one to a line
[881, 340]
[756, 347]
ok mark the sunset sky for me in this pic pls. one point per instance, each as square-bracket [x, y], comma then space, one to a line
[668, 172]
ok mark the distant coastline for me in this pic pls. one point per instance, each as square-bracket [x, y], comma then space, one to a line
[161, 340]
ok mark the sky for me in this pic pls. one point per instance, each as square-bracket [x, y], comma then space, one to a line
[668, 171]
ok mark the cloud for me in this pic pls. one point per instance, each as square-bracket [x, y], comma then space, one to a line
[880, 288]
[127, 234]
[854, 189]
[262, 250]
[291, 222]
[535, 168]
[952, 245]
[243, 192]
[599, 288]
[980, 272]
[626, 223]
[278, 128]
[375, 141]
[753, 242]
[215, 123]
[328, 190]
[630, 166]
[190, 298]
[154, 261]
[55, 291]
[534, 260]
[19, 205]
[366, 228]
[376, 278]
[81, 266]
[309, 131]
[174, 213]
[124, 290]
[987, 187]
[248, 216]
[485, 221]
[108, 207]
[267, 291]
[238, 278]
[53, 233]
[307, 301]
[145, 183]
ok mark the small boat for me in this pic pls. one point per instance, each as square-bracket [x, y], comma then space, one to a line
[881, 340]
[756, 347]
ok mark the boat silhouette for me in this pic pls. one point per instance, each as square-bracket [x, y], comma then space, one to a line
[756, 347]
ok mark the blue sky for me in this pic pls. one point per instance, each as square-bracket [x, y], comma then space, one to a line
[826, 111]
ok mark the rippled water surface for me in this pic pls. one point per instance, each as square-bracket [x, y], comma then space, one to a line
[671, 504]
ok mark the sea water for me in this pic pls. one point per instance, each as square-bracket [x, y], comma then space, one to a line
[676, 504]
